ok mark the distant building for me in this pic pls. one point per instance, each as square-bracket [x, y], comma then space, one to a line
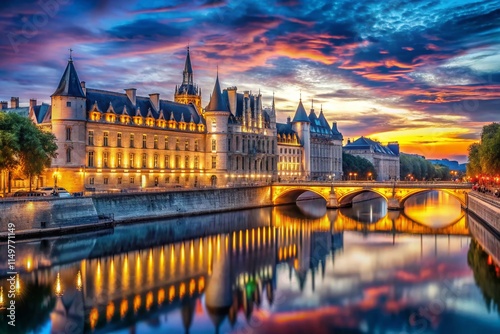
[451, 164]
[385, 159]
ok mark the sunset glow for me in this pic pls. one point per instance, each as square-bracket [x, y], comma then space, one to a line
[423, 73]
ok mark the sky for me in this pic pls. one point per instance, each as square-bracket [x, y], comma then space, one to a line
[424, 73]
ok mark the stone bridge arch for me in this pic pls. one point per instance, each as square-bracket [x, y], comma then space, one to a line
[459, 194]
[289, 194]
[345, 198]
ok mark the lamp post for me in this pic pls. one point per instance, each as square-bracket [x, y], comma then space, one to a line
[355, 176]
[350, 176]
[369, 176]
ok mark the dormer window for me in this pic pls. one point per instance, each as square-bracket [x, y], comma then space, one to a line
[68, 104]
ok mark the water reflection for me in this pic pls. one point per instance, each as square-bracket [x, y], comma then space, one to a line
[434, 208]
[290, 269]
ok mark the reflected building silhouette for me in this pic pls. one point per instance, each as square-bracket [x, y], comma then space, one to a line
[142, 272]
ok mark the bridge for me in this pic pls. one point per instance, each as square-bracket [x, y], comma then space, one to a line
[341, 193]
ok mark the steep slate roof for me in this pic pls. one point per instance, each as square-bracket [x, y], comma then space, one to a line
[103, 99]
[363, 143]
[21, 111]
[217, 103]
[41, 111]
[69, 84]
[300, 114]
[284, 129]
[335, 132]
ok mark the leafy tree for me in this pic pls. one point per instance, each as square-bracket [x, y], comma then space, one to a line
[484, 157]
[355, 164]
[474, 165]
[24, 145]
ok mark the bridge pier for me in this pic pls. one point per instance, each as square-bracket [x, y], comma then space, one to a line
[394, 204]
[332, 202]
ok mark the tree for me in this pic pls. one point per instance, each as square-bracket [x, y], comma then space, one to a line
[484, 157]
[359, 165]
[24, 145]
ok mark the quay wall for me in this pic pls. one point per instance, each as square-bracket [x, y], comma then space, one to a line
[28, 214]
[45, 213]
[134, 207]
[485, 207]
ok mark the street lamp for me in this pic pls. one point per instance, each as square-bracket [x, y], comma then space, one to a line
[332, 178]
[369, 176]
[350, 176]
[355, 176]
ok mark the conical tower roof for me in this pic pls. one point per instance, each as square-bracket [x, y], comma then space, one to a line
[187, 74]
[69, 84]
[300, 114]
[216, 101]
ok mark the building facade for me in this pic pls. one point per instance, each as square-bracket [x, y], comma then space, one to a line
[385, 159]
[109, 141]
[309, 148]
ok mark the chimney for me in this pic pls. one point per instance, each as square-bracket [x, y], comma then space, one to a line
[348, 140]
[131, 95]
[288, 120]
[3, 105]
[14, 102]
[32, 102]
[83, 87]
[155, 100]
[231, 96]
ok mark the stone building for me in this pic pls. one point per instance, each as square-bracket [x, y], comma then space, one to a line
[110, 141]
[385, 159]
[309, 148]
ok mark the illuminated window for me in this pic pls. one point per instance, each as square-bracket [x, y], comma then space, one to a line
[91, 137]
[177, 161]
[196, 148]
[144, 141]
[106, 180]
[167, 161]
[214, 145]
[119, 180]
[131, 160]
[186, 145]
[119, 139]
[91, 159]
[132, 180]
[166, 142]
[155, 161]
[196, 162]
[119, 160]
[144, 160]
[214, 161]
[155, 142]
[106, 137]
[131, 142]
[105, 159]
[91, 180]
[186, 161]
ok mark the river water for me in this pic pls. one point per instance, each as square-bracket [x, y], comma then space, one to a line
[288, 269]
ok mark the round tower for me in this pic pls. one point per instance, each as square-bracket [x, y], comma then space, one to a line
[68, 119]
[216, 117]
[301, 125]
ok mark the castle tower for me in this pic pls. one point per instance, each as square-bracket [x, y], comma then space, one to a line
[301, 125]
[68, 125]
[216, 117]
[188, 92]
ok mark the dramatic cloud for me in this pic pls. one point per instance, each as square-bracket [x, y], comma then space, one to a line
[392, 70]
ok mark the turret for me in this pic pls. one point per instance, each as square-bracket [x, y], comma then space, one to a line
[301, 125]
[68, 125]
[216, 116]
[188, 92]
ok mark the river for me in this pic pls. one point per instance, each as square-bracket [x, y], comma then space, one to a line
[288, 269]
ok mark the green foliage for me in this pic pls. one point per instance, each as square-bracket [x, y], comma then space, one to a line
[484, 157]
[421, 169]
[355, 164]
[24, 145]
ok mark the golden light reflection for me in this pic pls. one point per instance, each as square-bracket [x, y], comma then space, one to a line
[192, 286]
[182, 290]
[162, 264]
[123, 308]
[93, 317]
[125, 276]
[28, 264]
[18, 283]
[1, 296]
[137, 303]
[172, 259]
[138, 271]
[201, 284]
[149, 300]
[79, 281]
[110, 310]
[112, 277]
[98, 278]
[150, 277]
[171, 293]
[161, 296]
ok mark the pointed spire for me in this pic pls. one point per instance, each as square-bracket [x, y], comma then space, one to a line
[300, 114]
[187, 74]
[69, 84]
[216, 101]
[312, 104]
[273, 107]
